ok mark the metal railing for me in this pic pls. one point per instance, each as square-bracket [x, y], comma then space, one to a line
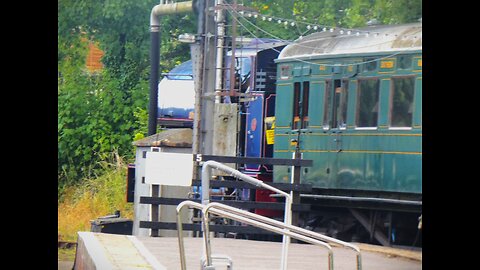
[206, 173]
[181, 246]
[258, 221]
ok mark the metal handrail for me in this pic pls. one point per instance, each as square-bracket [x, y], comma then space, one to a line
[181, 246]
[206, 231]
[207, 165]
[273, 222]
[249, 218]
[255, 220]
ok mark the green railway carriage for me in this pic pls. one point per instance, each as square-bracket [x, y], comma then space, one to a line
[352, 102]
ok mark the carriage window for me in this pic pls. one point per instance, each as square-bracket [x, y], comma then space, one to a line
[296, 107]
[285, 72]
[371, 64]
[326, 107]
[402, 102]
[305, 94]
[340, 105]
[405, 62]
[367, 103]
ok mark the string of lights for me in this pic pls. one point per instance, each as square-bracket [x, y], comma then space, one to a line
[231, 10]
[306, 46]
[309, 26]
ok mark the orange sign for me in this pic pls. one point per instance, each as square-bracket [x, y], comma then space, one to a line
[386, 64]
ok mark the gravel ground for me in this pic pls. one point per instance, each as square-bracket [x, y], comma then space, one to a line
[65, 265]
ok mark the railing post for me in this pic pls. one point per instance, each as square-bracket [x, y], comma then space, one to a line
[206, 198]
[181, 245]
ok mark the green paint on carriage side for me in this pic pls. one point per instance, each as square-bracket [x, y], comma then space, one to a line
[377, 159]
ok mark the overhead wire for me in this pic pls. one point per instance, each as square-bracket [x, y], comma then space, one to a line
[230, 9]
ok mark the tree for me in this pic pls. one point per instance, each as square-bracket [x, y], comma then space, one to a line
[329, 13]
[99, 113]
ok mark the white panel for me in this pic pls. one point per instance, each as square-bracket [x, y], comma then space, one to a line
[171, 169]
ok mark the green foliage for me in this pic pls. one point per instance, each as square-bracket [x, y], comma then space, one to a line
[94, 197]
[173, 52]
[94, 118]
[141, 118]
[331, 13]
[96, 111]
[104, 112]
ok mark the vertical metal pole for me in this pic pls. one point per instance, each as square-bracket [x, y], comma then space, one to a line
[390, 220]
[234, 45]
[296, 170]
[220, 19]
[208, 113]
[286, 239]
[154, 63]
[292, 218]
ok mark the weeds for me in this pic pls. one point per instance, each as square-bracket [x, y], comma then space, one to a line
[82, 203]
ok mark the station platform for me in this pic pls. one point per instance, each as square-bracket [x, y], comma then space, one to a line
[111, 251]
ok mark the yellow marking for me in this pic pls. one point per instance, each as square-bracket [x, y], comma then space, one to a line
[381, 152]
[284, 84]
[359, 134]
[386, 72]
[366, 134]
[283, 151]
[317, 134]
[355, 152]
[319, 151]
[269, 133]
[381, 134]
[387, 64]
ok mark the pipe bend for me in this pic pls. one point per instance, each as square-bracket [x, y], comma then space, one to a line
[154, 20]
[188, 203]
[172, 8]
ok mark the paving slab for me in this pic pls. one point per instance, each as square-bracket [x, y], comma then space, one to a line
[130, 252]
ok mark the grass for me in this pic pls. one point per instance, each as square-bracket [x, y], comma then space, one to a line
[66, 254]
[92, 198]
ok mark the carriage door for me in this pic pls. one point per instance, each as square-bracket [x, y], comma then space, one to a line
[301, 92]
[335, 121]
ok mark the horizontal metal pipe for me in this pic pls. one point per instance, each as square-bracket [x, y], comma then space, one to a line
[166, 9]
[161, 9]
[237, 174]
[288, 226]
[361, 199]
[250, 218]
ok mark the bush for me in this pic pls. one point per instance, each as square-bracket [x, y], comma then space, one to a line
[79, 204]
